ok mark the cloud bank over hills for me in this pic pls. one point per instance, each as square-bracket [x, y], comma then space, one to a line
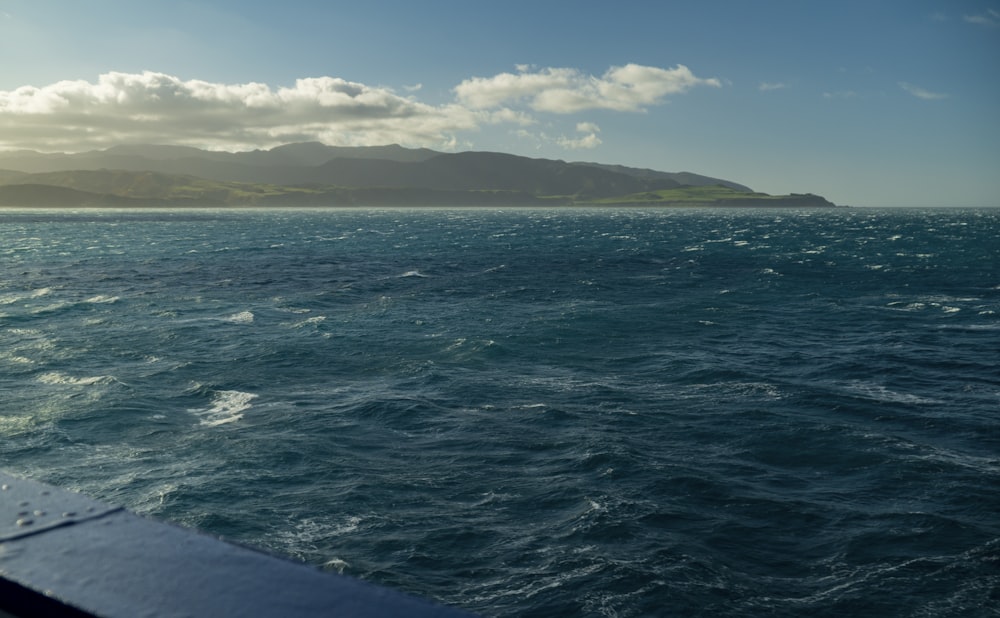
[151, 107]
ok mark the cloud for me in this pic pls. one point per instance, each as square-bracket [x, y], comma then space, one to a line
[920, 93]
[584, 142]
[990, 18]
[151, 107]
[158, 108]
[564, 91]
[765, 86]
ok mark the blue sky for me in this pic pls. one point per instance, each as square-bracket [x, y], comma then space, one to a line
[881, 103]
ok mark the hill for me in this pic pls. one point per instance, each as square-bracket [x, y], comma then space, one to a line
[117, 188]
[49, 196]
[315, 174]
[717, 195]
[390, 166]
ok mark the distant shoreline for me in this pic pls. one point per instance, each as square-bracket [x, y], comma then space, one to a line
[316, 175]
[49, 196]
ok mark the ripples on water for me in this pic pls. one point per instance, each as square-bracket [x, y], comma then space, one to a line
[607, 413]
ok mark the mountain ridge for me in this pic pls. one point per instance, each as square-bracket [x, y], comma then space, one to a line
[296, 163]
[311, 172]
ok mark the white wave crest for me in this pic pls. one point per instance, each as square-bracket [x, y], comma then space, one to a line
[313, 321]
[880, 393]
[102, 299]
[9, 299]
[227, 407]
[13, 425]
[24, 332]
[243, 317]
[21, 360]
[55, 377]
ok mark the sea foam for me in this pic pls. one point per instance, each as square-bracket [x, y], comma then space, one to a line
[243, 317]
[55, 377]
[227, 407]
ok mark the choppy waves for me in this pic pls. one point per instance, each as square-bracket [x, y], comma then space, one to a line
[597, 413]
[226, 407]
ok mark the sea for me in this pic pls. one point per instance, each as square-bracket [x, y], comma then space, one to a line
[532, 412]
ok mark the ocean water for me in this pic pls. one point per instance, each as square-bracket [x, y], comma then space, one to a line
[532, 413]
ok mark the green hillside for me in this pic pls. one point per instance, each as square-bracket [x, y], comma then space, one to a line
[49, 196]
[164, 187]
[377, 176]
[137, 189]
[715, 195]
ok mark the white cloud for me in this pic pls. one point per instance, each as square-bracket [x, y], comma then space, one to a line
[581, 143]
[158, 108]
[920, 93]
[564, 91]
[765, 86]
[153, 107]
[509, 115]
[990, 18]
[588, 141]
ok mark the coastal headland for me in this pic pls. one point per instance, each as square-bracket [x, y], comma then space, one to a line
[313, 174]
